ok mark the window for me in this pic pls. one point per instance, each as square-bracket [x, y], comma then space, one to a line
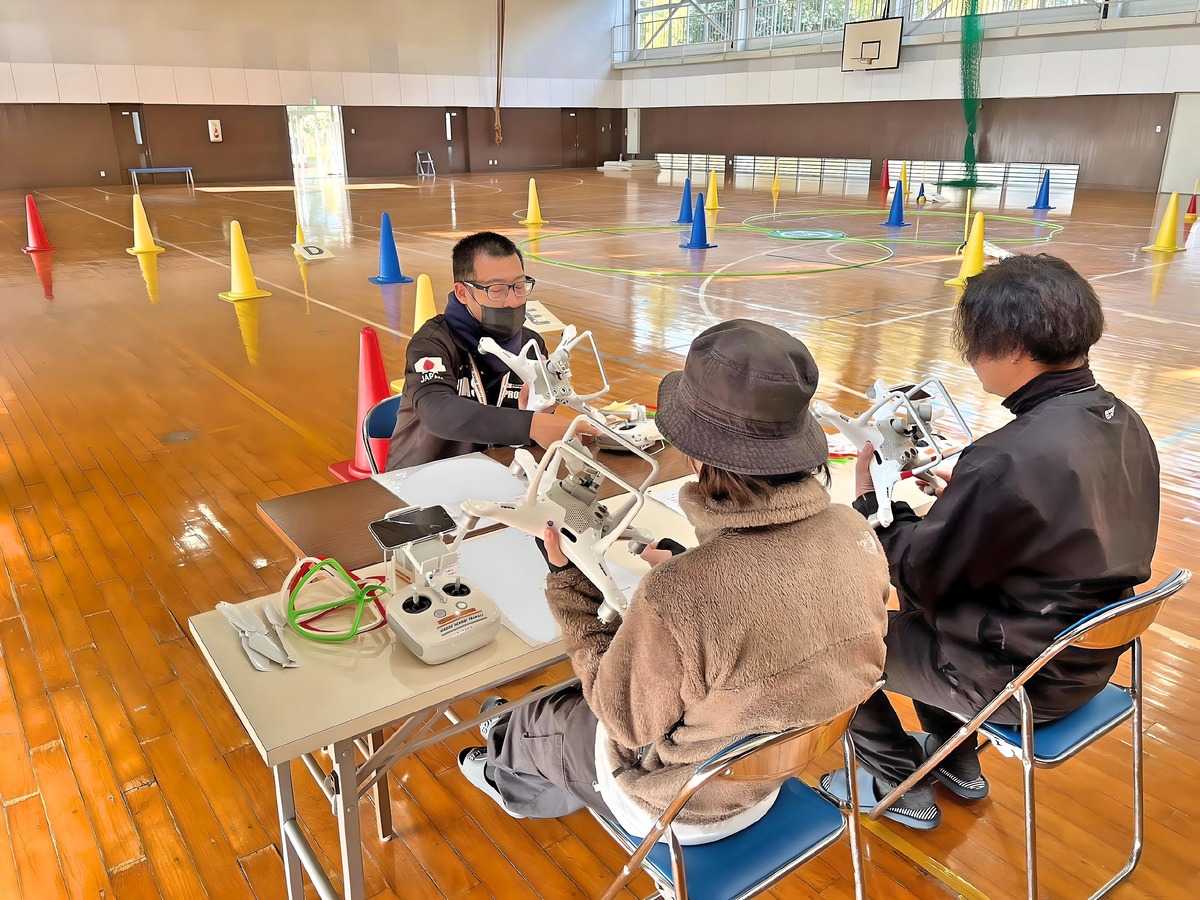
[669, 23]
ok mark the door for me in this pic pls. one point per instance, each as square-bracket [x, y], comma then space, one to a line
[318, 146]
[606, 136]
[578, 138]
[129, 131]
[458, 154]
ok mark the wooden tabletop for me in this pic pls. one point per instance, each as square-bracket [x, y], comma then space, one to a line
[332, 521]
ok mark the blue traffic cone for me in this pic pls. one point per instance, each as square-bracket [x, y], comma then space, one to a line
[1043, 197]
[699, 238]
[389, 260]
[896, 216]
[921, 198]
[685, 207]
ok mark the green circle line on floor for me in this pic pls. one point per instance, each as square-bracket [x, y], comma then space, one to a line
[1054, 227]
[526, 248]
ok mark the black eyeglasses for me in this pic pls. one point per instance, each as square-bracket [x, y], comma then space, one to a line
[498, 293]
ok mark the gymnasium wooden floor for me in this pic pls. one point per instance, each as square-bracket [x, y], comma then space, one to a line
[137, 437]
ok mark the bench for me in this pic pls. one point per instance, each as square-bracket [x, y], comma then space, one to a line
[186, 170]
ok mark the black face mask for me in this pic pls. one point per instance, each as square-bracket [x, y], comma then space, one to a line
[502, 323]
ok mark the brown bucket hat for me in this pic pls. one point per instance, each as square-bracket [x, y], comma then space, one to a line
[741, 401]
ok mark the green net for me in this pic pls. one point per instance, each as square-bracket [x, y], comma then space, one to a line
[972, 45]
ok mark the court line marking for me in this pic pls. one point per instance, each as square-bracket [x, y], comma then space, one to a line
[312, 437]
[918, 857]
[217, 262]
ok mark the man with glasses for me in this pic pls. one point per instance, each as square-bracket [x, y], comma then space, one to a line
[456, 399]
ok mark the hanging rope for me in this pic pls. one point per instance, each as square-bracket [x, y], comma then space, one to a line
[499, 131]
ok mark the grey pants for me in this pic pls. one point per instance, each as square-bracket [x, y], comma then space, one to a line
[542, 757]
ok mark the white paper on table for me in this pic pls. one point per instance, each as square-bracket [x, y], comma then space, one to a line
[668, 493]
[448, 482]
[509, 568]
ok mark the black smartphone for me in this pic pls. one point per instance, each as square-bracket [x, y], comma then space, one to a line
[411, 525]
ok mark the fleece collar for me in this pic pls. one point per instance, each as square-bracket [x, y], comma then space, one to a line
[789, 503]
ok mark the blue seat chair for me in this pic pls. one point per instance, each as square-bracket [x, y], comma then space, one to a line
[1053, 743]
[800, 824]
[379, 423]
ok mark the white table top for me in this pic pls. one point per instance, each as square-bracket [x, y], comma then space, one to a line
[340, 691]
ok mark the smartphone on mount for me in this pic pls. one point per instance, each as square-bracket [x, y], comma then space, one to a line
[408, 525]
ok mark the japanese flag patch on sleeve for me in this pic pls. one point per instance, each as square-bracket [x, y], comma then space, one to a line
[429, 365]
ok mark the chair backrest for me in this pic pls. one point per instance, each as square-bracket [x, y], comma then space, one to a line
[379, 423]
[782, 755]
[756, 758]
[1119, 623]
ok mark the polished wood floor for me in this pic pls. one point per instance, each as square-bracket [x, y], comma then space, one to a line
[139, 427]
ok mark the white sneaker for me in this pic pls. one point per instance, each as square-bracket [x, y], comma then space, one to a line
[489, 704]
[472, 762]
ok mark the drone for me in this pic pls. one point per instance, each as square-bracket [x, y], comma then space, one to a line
[563, 494]
[899, 426]
[549, 381]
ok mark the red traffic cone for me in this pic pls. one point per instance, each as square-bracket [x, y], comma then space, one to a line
[885, 183]
[42, 266]
[372, 387]
[1190, 215]
[37, 233]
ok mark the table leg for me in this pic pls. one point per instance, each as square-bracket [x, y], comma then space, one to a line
[133, 175]
[381, 793]
[345, 804]
[285, 804]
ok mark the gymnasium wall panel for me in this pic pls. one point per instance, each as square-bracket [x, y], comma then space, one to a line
[254, 146]
[56, 145]
[532, 139]
[384, 141]
[1125, 153]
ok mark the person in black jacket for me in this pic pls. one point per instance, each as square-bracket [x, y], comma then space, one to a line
[456, 399]
[1045, 520]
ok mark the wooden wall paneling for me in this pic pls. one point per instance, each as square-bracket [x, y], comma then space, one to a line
[531, 139]
[1126, 153]
[255, 145]
[386, 139]
[56, 145]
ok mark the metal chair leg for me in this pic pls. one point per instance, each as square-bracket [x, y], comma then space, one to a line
[1135, 855]
[852, 823]
[1027, 767]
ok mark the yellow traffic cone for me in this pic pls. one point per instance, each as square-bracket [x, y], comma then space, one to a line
[148, 263]
[143, 240]
[242, 283]
[904, 178]
[247, 316]
[300, 261]
[972, 263]
[300, 234]
[775, 190]
[424, 310]
[533, 215]
[1165, 242]
[711, 202]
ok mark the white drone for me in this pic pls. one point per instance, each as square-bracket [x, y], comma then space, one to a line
[567, 501]
[898, 426]
[549, 381]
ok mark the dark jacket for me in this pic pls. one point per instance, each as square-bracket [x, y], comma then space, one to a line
[442, 414]
[1050, 518]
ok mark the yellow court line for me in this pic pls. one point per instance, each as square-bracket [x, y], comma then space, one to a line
[311, 436]
[919, 858]
[923, 860]
[1178, 637]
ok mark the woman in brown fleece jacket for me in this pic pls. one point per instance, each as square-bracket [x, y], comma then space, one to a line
[775, 620]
